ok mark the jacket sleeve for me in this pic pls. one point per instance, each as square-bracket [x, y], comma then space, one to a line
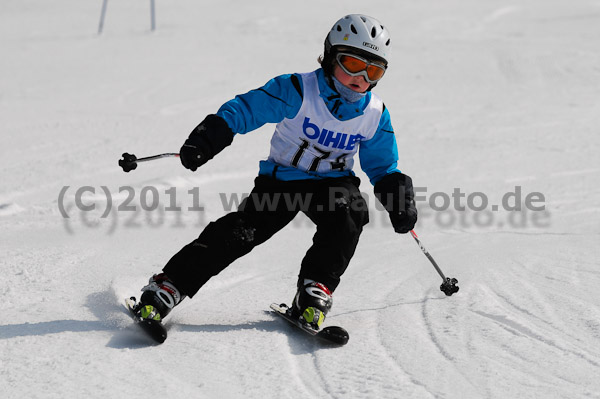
[379, 155]
[279, 98]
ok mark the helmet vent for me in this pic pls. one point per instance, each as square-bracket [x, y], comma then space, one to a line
[360, 32]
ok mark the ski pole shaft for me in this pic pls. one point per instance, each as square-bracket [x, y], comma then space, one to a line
[433, 262]
[129, 161]
[448, 286]
[153, 157]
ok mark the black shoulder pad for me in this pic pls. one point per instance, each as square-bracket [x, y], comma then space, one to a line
[296, 83]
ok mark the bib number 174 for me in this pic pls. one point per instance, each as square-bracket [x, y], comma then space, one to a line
[338, 164]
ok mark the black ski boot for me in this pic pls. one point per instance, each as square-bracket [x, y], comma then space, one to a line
[159, 297]
[312, 302]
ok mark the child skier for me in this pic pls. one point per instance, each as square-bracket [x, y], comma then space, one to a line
[323, 119]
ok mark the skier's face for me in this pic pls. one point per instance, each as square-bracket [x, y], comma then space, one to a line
[356, 83]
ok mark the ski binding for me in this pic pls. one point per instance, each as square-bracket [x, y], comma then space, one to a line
[333, 334]
[154, 328]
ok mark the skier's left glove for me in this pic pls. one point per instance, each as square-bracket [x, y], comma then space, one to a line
[395, 192]
[208, 139]
[191, 156]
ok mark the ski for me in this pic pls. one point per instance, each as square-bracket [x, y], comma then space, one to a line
[154, 328]
[333, 334]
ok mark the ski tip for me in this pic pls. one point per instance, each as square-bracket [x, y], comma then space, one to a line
[160, 338]
[335, 335]
[154, 329]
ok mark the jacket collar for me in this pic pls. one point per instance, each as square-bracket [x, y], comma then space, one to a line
[339, 107]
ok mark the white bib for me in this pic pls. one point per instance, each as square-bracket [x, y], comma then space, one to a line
[315, 140]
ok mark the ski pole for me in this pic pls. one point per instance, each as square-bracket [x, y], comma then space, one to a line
[448, 286]
[130, 161]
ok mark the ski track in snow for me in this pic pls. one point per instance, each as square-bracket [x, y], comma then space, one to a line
[484, 96]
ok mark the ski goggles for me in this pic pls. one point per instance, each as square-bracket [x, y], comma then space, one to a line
[354, 65]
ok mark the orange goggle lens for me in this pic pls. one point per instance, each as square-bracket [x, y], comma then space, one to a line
[355, 66]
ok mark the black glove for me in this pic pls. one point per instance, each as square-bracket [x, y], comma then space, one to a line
[208, 139]
[396, 194]
[404, 221]
[191, 156]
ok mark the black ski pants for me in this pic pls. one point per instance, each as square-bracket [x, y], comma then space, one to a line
[335, 205]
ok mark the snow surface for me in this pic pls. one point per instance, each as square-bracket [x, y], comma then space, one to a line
[485, 96]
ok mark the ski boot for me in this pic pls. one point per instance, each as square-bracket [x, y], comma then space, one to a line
[311, 303]
[159, 297]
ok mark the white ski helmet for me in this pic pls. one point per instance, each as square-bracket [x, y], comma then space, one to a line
[360, 32]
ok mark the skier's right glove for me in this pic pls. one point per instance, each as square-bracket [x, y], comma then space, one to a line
[395, 192]
[208, 139]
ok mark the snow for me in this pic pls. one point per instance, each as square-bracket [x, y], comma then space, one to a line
[486, 96]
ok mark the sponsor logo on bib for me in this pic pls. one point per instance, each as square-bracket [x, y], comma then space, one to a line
[329, 138]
